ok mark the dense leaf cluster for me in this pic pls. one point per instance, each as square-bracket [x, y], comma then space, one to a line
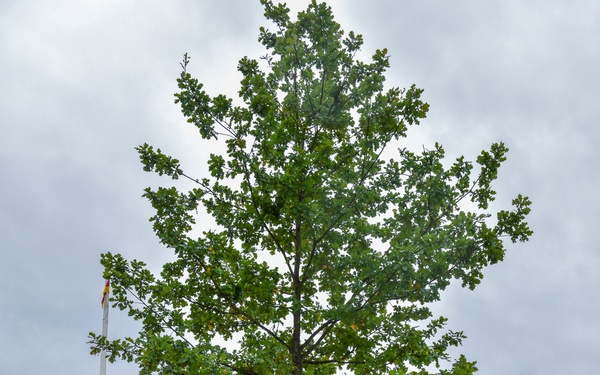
[328, 250]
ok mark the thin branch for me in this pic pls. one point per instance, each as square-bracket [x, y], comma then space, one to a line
[237, 310]
[161, 316]
[326, 329]
[239, 370]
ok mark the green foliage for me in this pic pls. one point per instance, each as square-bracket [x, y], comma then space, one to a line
[357, 244]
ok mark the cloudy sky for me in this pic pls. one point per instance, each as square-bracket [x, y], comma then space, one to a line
[84, 82]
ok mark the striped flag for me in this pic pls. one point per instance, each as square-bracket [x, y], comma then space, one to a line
[105, 292]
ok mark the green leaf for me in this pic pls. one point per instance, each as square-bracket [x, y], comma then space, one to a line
[317, 249]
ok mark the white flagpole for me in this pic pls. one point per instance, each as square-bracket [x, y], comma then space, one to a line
[105, 305]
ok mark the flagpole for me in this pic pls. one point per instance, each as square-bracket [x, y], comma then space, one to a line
[105, 305]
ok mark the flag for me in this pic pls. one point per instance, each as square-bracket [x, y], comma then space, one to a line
[105, 292]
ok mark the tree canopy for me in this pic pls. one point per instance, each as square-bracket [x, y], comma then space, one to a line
[328, 246]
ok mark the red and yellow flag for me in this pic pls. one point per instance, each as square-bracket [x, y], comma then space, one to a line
[105, 292]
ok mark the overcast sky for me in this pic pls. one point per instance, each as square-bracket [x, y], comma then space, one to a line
[84, 82]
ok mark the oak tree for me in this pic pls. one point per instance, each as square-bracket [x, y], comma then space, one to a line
[330, 239]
